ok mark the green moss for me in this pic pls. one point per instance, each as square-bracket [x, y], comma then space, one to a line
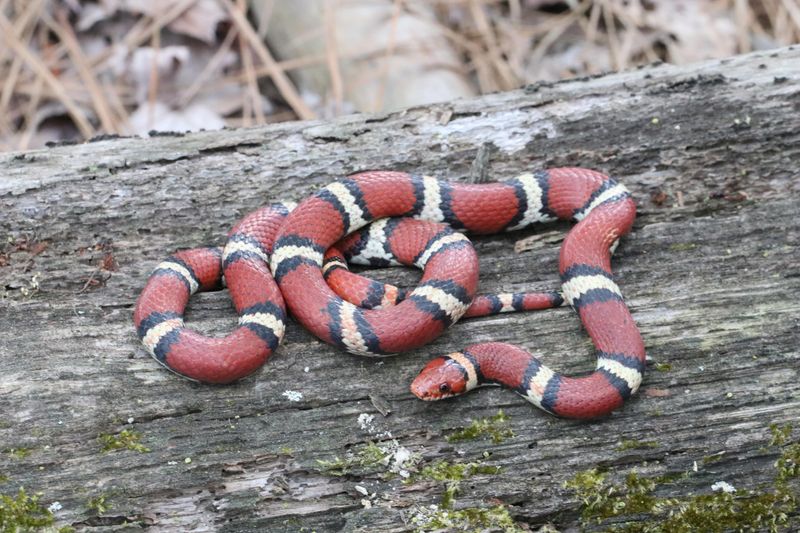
[444, 516]
[24, 513]
[19, 453]
[780, 434]
[636, 445]
[495, 518]
[124, 440]
[494, 427]
[370, 456]
[682, 246]
[713, 458]
[98, 504]
[788, 464]
[663, 367]
[452, 474]
[635, 509]
[445, 471]
[336, 466]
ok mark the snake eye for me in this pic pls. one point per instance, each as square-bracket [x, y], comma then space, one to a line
[444, 387]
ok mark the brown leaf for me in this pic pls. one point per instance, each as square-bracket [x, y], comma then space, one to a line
[109, 263]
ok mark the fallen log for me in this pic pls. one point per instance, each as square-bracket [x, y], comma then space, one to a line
[326, 441]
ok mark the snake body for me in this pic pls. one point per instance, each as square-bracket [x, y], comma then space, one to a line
[295, 247]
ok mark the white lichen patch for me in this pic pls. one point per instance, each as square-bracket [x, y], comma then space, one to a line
[402, 460]
[723, 486]
[365, 421]
[292, 395]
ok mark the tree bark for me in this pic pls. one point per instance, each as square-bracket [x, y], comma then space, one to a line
[710, 272]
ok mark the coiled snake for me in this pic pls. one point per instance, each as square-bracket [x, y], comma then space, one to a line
[294, 245]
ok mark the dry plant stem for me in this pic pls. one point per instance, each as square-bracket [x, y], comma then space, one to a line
[593, 23]
[152, 82]
[252, 98]
[31, 122]
[558, 29]
[72, 86]
[629, 36]
[22, 27]
[771, 12]
[459, 40]
[743, 21]
[247, 102]
[794, 12]
[35, 64]
[25, 22]
[332, 56]
[114, 91]
[285, 65]
[507, 80]
[782, 26]
[143, 30]
[65, 33]
[280, 116]
[279, 78]
[9, 90]
[213, 65]
[617, 61]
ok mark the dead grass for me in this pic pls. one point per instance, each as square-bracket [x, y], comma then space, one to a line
[61, 81]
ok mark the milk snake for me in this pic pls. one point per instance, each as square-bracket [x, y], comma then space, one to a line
[294, 246]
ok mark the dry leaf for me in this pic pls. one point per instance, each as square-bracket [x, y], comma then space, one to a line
[199, 21]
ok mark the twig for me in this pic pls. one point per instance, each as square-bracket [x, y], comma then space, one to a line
[332, 58]
[507, 79]
[152, 81]
[279, 78]
[31, 122]
[65, 34]
[557, 30]
[35, 64]
[794, 12]
[143, 30]
[210, 68]
[252, 97]
[114, 93]
[22, 25]
[742, 13]
[611, 30]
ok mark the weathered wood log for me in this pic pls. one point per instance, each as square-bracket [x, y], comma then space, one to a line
[710, 271]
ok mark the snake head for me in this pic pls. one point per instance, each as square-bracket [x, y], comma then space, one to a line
[443, 377]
